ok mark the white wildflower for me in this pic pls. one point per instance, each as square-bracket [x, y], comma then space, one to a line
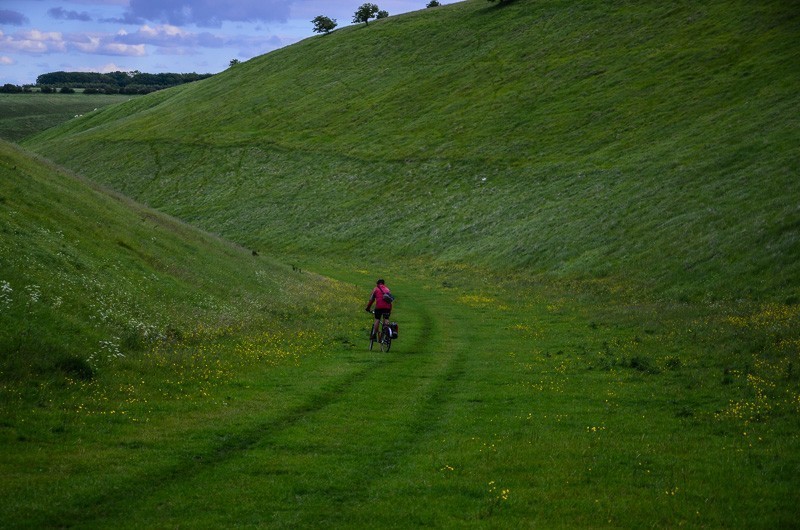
[5, 293]
[34, 293]
[109, 349]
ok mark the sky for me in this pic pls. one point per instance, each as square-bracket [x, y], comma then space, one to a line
[155, 36]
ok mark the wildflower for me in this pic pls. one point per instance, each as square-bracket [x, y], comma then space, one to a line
[5, 293]
[33, 293]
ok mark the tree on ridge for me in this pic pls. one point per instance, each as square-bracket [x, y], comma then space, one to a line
[323, 24]
[365, 12]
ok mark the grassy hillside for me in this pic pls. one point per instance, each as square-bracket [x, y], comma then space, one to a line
[119, 323]
[144, 364]
[22, 115]
[648, 143]
[94, 287]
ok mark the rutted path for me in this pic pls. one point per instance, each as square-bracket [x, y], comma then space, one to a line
[357, 429]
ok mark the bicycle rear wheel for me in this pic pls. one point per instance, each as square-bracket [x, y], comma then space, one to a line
[386, 343]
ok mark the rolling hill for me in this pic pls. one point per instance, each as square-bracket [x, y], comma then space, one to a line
[654, 143]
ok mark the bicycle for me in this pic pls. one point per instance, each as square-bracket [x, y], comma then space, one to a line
[384, 338]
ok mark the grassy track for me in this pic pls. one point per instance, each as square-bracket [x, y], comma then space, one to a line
[491, 410]
[325, 459]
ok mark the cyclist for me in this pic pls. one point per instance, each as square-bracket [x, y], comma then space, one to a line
[383, 308]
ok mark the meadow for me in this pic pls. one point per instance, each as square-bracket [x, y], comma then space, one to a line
[589, 219]
[504, 403]
[22, 115]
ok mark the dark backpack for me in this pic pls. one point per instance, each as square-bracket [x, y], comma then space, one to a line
[387, 296]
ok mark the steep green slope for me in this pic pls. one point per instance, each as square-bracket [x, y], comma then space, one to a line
[88, 278]
[651, 144]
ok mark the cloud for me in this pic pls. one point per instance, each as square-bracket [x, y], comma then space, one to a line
[36, 42]
[103, 69]
[62, 14]
[168, 36]
[6, 60]
[128, 50]
[128, 19]
[209, 13]
[100, 2]
[12, 18]
[166, 39]
[83, 42]
[33, 42]
[103, 44]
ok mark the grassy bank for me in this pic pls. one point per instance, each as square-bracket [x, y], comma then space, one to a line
[153, 375]
[105, 303]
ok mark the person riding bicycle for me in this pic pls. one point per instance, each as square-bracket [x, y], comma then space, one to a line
[383, 307]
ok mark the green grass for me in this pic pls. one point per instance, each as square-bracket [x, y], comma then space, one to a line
[23, 115]
[605, 134]
[87, 267]
[589, 217]
[503, 404]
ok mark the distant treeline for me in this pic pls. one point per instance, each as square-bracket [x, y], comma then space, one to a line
[115, 82]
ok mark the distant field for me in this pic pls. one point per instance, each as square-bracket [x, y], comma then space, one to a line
[22, 115]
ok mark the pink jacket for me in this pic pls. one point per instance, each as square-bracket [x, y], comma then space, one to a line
[377, 296]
